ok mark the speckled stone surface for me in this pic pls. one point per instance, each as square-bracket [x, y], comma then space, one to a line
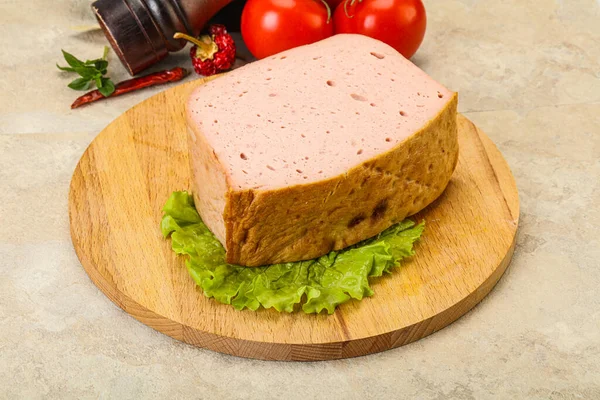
[528, 73]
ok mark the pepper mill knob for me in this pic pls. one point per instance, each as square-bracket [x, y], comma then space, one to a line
[141, 31]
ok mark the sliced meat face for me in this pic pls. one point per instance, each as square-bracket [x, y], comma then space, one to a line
[317, 148]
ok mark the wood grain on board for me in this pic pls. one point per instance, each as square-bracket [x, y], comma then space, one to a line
[127, 173]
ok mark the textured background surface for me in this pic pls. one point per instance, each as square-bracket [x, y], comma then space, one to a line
[528, 73]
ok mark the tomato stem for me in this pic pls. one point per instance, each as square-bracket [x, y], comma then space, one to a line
[351, 4]
[328, 10]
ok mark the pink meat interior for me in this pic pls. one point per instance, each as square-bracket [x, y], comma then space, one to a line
[313, 112]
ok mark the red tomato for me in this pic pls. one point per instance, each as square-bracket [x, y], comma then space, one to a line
[399, 23]
[271, 26]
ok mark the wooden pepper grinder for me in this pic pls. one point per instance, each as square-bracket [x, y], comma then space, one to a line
[141, 31]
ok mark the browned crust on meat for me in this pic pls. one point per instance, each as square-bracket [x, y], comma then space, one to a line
[306, 221]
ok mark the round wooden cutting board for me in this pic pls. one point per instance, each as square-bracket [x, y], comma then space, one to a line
[125, 176]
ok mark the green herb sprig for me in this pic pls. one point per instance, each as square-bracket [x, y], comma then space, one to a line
[90, 71]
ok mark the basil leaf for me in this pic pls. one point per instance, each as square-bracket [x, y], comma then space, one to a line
[101, 65]
[91, 71]
[68, 69]
[86, 72]
[80, 84]
[108, 87]
[72, 60]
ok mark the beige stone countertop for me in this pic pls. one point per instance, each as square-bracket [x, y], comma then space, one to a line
[528, 73]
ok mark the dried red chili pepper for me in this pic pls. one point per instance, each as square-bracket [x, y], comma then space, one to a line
[130, 85]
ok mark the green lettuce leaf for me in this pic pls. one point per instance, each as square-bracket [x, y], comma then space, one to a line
[315, 285]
